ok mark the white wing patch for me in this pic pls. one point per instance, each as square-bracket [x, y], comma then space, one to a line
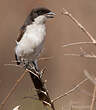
[17, 107]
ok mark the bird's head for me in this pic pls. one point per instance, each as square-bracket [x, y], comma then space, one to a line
[40, 15]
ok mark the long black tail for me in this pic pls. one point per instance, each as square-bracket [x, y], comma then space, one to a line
[40, 88]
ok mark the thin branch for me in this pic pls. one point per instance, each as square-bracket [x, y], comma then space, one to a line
[87, 74]
[76, 43]
[70, 91]
[35, 74]
[43, 71]
[82, 54]
[13, 65]
[94, 92]
[12, 89]
[46, 58]
[65, 12]
[93, 99]
[72, 54]
[29, 97]
[32, 67]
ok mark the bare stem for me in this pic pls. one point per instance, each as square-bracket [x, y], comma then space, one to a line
[93, 99]
[76, 43]
[12, 89]
[70, 91]
[81, 55]
[65, 12]
[94, 92]
[87, 74]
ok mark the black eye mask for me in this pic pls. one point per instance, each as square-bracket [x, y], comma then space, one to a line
[35, 13]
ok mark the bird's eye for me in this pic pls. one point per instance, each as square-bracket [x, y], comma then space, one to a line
[40, 12]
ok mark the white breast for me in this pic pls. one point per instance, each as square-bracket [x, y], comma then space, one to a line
[32, 41]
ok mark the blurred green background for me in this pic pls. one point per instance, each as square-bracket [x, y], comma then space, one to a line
[64, 72]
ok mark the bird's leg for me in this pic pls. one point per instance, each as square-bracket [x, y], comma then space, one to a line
[35, 65]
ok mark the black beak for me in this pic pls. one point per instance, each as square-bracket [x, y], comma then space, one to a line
[50, 15]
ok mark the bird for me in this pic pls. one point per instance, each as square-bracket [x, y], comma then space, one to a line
[31, 36]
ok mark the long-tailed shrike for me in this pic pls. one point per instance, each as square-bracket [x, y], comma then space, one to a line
[32, 36]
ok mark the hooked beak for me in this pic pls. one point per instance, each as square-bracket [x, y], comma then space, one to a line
[50, 15]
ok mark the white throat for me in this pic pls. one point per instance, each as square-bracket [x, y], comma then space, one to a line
[40, 19]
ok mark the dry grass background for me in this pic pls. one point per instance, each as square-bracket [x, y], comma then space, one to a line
[64, 72]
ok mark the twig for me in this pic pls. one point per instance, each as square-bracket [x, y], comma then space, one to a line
[76, 43]
[87, 74]
[13, 89]
[65, 12]
[46, 58]
[35, 74]
[83, 54]
[43, 71]
[70, 91]
[94, 92]
[13, 65]
[93, 98]
[29, 97]
[72, 54]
